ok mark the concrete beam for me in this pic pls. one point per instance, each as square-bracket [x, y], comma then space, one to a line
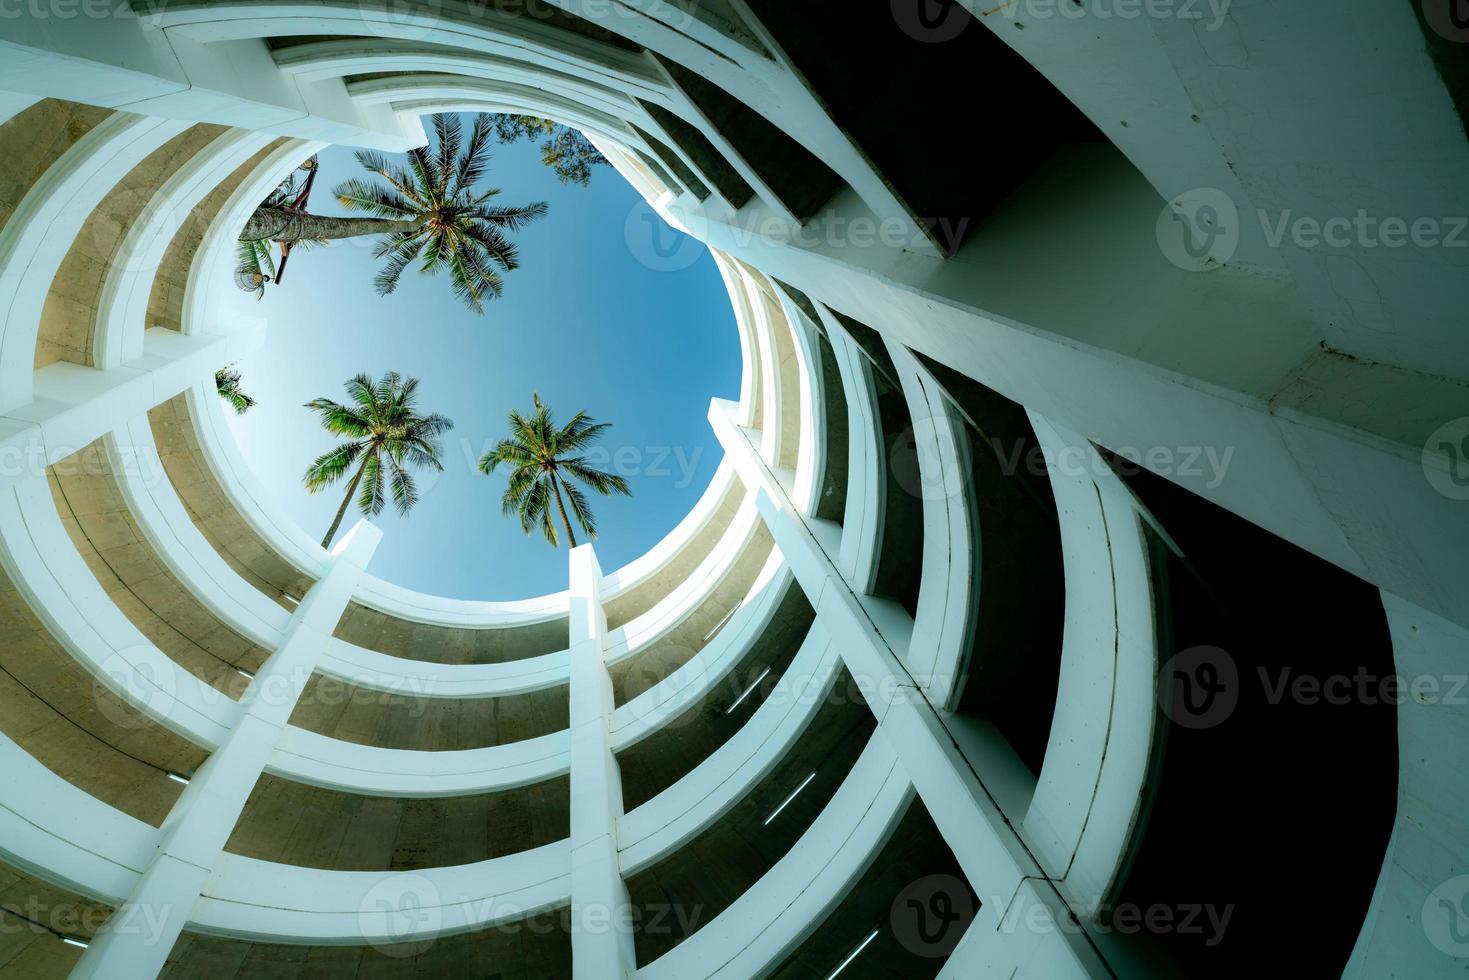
[118, 59]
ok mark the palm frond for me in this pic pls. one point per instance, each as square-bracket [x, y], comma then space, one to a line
[370, 495]
[338, 419]
[579, 432]
[329, 467]
[450, 133]
[374, 199]
[475, 159]
[421, 166]
[604, 483]
[577, 505]
[227, 383]
[401, 180]
[405, 491]
[400, 254]
[510, 219]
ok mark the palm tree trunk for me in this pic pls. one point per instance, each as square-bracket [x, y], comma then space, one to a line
[280, 224]
[556, 485]
[326, 542]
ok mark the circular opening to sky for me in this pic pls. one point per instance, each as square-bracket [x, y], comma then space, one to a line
[591, 320]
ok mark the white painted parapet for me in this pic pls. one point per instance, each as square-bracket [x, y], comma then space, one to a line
[1090, 797]
[601, 911]
[137, 939]
[46, 222]
[862, 522]
[770, 920]
[948, 591]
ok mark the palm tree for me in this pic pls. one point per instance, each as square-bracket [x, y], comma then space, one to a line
[292, 225]
[451, 225]
[387, 435]
[227, 383]
[282, 216]
[544, 466]
[282, 219]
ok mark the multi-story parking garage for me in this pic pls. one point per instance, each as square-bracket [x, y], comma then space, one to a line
[1086, 583]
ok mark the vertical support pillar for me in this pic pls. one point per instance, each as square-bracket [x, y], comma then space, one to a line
[601, 911]
[136, 941]
[987, 847]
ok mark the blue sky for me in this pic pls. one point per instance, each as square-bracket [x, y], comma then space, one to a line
[583, 321]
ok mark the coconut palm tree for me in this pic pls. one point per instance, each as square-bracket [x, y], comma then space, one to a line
[388, 437]
[452, 226]
[282, 216]
[544, 460]
[227, 383]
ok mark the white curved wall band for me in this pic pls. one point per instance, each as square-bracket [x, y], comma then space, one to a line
[46, 222]
[122, 309]
[650, 710]
[811, 466]
[1091, 791]
[278, 903]
[771, 918]
[862, 522]
[696, 801]
[154, 504]
[66, 835]
[952, 547]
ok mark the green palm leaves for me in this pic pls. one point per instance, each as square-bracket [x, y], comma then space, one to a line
[546, 463]
[227, 383]
[387, 438]
[457, 229]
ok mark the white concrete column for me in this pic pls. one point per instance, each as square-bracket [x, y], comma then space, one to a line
[994, 858]
[601, 936]
[136, 941]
